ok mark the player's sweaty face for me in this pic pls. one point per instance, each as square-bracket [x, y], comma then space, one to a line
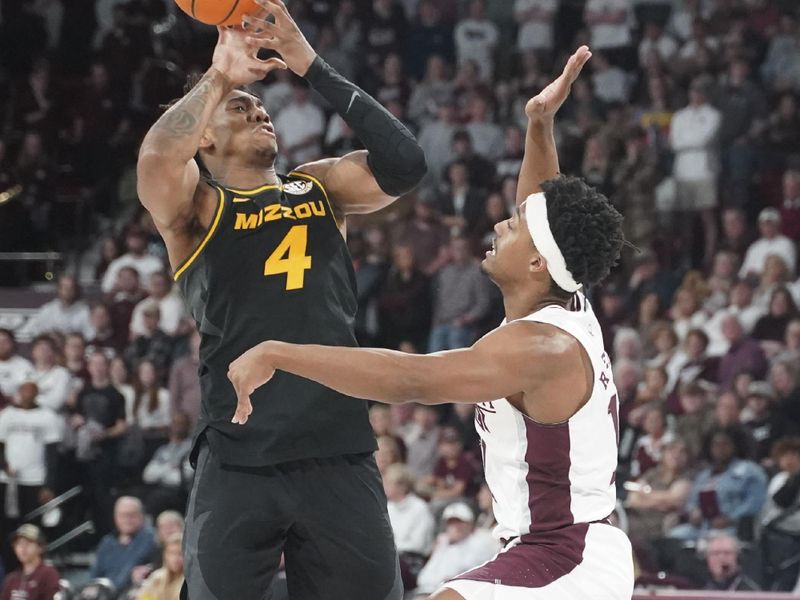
[512, 247]
[241, 121]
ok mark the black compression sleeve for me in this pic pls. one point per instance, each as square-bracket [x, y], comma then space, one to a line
[395, 158]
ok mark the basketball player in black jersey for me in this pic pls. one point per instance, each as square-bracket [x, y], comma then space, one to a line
[258, 256]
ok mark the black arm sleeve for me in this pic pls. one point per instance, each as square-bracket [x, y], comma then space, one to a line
[395, 158]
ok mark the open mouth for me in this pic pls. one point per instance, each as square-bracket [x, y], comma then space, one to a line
[493, 250]
[266, 129]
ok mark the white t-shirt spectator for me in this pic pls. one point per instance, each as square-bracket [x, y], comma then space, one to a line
[611, 85]
[535, 31]
[718, 344]
[487, 139]
[412, 524]
[476, 40]
[55, 316]
[14, 372]
[145, 265]
[296, 123]
[449, 560]
[616, 34]
[166, 468]
[54, 385]
[25, 434]
[692, 135]
[171, 309]
[757, 254]
[665, 46]
[157, 419]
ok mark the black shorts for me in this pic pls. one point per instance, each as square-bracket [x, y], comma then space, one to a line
[327, 516]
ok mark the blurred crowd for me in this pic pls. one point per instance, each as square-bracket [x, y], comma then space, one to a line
[686, 117]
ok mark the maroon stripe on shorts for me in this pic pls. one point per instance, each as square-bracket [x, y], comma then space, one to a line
[548, 461]
[545, 558]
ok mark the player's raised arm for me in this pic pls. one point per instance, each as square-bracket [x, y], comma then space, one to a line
[514, 358]
[540, 161]
[167, 174]
[363, 181]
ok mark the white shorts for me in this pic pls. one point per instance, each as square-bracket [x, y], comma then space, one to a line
[554, 568]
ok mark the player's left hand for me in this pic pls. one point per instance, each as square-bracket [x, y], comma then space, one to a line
[546, 103]
[247, 373]
[283, 36]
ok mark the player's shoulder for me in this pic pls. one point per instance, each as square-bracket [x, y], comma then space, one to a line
[541, 339]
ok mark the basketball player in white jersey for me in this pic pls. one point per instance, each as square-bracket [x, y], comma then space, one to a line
[546, 404]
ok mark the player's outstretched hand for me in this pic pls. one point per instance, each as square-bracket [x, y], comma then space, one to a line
[237, 59]
[248, 373]
[283, 36]
[546, 103]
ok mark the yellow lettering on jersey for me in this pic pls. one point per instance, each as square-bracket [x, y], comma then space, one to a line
[276, 212]
[246, 221]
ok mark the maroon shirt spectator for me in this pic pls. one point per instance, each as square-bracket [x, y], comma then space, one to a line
[33, 580]
[424, 232]
[404, 305]
[124, 298]
[455, 472]
[744, 355]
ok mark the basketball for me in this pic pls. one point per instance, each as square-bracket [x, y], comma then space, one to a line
[217, 12]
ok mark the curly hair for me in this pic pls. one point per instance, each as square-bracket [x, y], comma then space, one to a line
[586, 227]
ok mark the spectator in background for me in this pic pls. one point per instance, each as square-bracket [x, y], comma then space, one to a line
[461, 300]
[458, 548]
[165, 583]
[487, 137]
[771, 328]
[170, 306]
[98, 419]
[29, 437]
[14, 369]
[609, 23]
[136, 257]
[656, 40]
[736, 237]
[387, 454]
[611, 84]
[131, 544]
[649, 447]
[694, 418]
[412, 521]
[760, 419]
[33, 580]
[122, 299]
[790, 207]
[75, 360]
[422, 440]
[300, 126]
[67, 313]
[535, 19]
[53, 381]
[770, 242]
[150, 409]
[729, 489]
[784, 379]
[455, 472]
[693, 138]
[722, 560]
[433, 91]
[727, 410]
[103, 334]
[430, 34]
[165, 473]
[741, 306]
[184, 384]
[153, 344]
[476, 38]
[744, 354]
[425, 234]
[655, 501]
[404, 304]
[460, 205]
[436, 138]
[783, 491]
[480, 171]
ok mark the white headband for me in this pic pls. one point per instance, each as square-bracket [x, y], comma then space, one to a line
[539, 226]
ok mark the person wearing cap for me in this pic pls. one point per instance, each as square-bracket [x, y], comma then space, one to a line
[547, 408]
[458, 548]
[33, 580]
[771, 241]
[760, 419]
[693, 137]
[136, 257]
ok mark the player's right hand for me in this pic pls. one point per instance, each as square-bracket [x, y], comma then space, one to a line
[547, 102]
[236, 58]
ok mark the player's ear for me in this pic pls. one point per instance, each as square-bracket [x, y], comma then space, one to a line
[207, 139]
[537, 263]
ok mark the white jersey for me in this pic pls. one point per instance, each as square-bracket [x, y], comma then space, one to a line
[545, 477]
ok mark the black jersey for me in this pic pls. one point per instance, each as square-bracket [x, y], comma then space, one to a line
[274, 266]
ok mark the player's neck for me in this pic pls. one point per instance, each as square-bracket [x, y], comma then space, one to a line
[523, 302]
[242, 177]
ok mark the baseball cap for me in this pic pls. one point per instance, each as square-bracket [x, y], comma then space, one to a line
[29, 532]
[460, 511]
[761, 389]
[769, 214]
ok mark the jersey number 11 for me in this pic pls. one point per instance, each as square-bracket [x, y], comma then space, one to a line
[290, 257]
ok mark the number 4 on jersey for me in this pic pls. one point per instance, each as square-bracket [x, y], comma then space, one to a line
[290, 257]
